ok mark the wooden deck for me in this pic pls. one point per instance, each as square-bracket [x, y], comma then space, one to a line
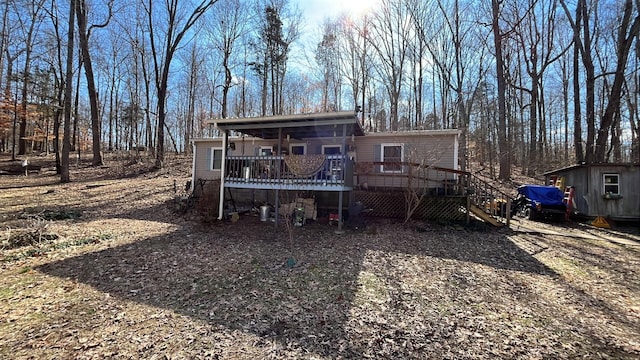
[444, 193]
[302, 172]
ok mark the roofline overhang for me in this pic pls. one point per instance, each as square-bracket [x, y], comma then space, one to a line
[297, 126]
[577, 166]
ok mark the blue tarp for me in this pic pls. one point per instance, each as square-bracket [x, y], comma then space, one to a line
[546, 195]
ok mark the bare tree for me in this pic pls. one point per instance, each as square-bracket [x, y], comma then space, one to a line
[354, 62]
[327, 57]
[390, 42]
[535, 34]
[84, 32]
[164, 45]
[4, 38]
[66, 140]
[29, 24]
[628, 29]
[498, 36]
[227, 26]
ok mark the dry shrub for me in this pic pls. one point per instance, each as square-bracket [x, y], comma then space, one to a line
[207, 200]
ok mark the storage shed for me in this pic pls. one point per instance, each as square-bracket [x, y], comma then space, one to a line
[602, 189]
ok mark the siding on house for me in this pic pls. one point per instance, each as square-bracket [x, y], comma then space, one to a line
[433, 147]
[437, 148]
[202, 156]
[589, 198]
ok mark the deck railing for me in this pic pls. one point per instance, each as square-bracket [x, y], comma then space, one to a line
[295, 170]
[400, 176]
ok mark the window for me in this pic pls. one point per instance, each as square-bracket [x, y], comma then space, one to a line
[266, 150]
[216, 158]
[392, 155]
[331, 149]
[611, 183]
[298, 149]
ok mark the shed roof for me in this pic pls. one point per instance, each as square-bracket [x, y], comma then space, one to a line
[586, 165]
[299, 126]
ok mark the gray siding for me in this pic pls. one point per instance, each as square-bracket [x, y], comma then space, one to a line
[436, 148]
[202, 166]
[589, 190]
[242, 147]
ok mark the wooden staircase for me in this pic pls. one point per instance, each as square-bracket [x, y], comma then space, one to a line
[488, 203]
[484, 216]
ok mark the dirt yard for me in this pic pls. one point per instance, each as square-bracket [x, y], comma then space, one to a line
[103, 267]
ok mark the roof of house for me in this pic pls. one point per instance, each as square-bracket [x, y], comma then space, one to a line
[299, 126]
[438, 132]
[578, 166]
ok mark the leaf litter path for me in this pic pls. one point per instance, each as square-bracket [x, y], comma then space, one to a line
[163, 286]
[582, 231]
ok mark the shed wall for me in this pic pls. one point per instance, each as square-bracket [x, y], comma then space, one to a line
[589, 190]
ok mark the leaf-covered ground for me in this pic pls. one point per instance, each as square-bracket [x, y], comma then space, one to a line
[108, 270]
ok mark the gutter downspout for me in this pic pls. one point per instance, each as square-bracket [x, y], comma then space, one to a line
[223, 166]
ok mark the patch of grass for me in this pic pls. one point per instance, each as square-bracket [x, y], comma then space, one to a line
[43, 249]
[567, 267]
[372, 289]
[83, 241]
[27, 237]
[52, 214]
[6, 293]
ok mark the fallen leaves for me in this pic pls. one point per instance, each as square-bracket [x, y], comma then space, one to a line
[157, 286]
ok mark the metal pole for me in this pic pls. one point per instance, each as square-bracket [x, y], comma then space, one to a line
[223, 165]
[343, 173]
[278, 184]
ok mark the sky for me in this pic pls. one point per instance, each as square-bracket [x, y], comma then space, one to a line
[316, 11]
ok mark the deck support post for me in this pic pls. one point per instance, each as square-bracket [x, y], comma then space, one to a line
[468, 209]
[278, 170]
[223, 175]
[343, 173]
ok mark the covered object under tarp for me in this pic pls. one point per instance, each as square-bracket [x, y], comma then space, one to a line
[547, 195]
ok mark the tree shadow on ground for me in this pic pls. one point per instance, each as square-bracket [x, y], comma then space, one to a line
[235, 276]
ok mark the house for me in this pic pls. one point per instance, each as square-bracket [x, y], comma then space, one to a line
[325, 153]
[608, 190]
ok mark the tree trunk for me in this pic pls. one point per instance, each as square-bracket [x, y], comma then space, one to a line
[91, 85]
[504, 158]
[613, 104]
[66, 141]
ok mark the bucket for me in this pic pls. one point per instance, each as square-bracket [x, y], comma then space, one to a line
[264, 212]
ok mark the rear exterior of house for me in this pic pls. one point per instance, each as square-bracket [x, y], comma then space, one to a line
[608, 190]
[375, 164]
[434, 149]
[437, 148]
